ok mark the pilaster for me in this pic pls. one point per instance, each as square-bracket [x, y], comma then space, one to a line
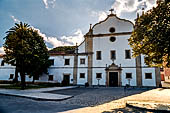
[157, 76]
[89, 50]
[138, 71]
[75, 67]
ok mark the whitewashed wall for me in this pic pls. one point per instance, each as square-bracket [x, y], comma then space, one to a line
[102, 81]
[59, 69]
[143, 61]
[81, 48]
[112, 21]
[104, 45]
[82, 68]
[81, 81]
[6, 70]
[148, 82]
[125, 80]
[120, 45]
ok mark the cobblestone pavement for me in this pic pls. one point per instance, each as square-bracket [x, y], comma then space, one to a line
[153, 98]
[95, 96]
[83, 97]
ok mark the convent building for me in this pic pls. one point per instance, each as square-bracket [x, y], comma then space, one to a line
[103, 58]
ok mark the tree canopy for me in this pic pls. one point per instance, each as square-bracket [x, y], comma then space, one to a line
[151, 35]
[63, 49]
[26, 50]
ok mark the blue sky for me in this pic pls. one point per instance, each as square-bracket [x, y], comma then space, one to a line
[64, 22]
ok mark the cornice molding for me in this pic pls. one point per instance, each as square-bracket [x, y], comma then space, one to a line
[111, 34]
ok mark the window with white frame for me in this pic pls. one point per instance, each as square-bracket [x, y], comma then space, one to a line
[82, 75]
[113, 54]
[67, 62]
[98, 75]
[82, 61]
[128, 75]
[148, 75]
[98, 55]
[127, 54]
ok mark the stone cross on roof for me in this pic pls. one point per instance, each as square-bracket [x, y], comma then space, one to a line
[111, 10]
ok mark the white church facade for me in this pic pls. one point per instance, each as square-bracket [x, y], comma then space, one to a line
[103, 58]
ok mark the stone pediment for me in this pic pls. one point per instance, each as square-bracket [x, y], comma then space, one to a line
[113, 67]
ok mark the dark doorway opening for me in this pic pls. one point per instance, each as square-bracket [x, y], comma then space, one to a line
[113, 79]
[66, 80]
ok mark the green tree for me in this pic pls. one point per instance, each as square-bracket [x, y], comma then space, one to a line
[26, 50]
[151, 35]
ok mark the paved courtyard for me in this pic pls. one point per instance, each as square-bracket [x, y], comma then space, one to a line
[83, 97]
[95, 96]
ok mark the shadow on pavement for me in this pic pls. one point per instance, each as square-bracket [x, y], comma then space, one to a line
[131, 110]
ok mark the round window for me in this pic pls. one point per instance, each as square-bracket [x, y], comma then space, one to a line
[112, 39]
[112, 29]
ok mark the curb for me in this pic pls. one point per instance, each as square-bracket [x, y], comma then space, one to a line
[35, 98]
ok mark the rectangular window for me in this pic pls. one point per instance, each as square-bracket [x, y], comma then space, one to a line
[128, 75]
[98, 75]
[127, 54]
[98, 55]
[67, 62]
[82, 61]
[82, 75]
[148, 75]
[11, 76]
[51, 61]
[113, 54]
[50, 77]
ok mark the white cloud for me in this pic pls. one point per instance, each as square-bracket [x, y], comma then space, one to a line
[100, 14]
[49, 3]
[2, 50]
[45, 3]
[77, 37]
[15, 19]
[122, 6]
[125, 7]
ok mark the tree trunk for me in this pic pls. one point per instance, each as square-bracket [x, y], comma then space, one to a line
[23, 85]
[16, 75]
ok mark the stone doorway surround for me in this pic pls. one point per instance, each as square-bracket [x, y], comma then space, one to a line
[113, 68]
